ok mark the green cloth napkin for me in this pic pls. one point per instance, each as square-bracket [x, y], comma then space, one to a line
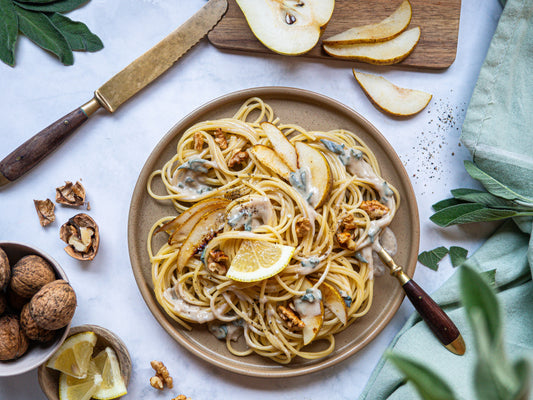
[498, 132]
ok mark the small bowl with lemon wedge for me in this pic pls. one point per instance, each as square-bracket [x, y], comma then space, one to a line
[92, 362]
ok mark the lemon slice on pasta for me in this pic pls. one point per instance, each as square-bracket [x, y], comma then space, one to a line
[257, 260]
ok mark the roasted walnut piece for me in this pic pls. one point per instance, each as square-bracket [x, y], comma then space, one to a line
[303, 226]
[290, 317]
[220, 139]
[45, 211]
[238, 159]
[13, 342]
[30, 274]
[162, 377]
[82, 236]
[217, 262]
[71, 194]
[374, 208]
[5, 270]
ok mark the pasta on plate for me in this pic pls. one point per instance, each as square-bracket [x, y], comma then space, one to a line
[272, 242]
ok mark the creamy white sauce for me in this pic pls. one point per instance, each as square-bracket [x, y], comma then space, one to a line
[252, 213]
[189, 179]
[309, 305]
[189, 311]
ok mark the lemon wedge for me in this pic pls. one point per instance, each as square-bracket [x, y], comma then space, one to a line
[73, 356]
[112, 385]
[80, 389]
[257, 260]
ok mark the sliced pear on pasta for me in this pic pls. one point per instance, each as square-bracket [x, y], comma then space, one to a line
[207, 227]
[281, 145]
[318, 171]
[383, 53]
[310, 308]
[334, 302]
[381, 31]
[390, 98]
[270, 159]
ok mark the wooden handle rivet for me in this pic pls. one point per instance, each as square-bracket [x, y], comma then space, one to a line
[66, 122]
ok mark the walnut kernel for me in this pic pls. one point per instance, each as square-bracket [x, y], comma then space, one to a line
[82, 236]
[71, 194]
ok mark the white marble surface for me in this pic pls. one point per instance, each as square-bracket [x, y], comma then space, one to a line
[108, 152]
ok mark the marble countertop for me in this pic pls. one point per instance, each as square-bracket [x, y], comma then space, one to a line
[108, 152]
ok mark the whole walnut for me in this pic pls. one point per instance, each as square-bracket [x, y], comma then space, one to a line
[31, 329]
[53, 306]
[30, 274]
[3, 303]
[5, 270]
[13, 342]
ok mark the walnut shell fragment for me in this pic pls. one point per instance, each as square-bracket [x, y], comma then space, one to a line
[13, 342]
[31, 329]
[71, 194]
[30, 274]
[53, 306]
[5, 270]
[45, 210]
[82, 236]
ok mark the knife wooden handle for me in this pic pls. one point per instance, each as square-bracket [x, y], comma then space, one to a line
[31, 152]
[437, 320]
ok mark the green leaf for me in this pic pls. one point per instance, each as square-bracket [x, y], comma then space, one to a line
[37, 1]
[62, 6]
[490, 277]
[476, 294]
[492, 185]
[472, 212]
[38, 28]
[445, 204]
[487, 199]
[457, 255]
[431, 258]
[78, 36]
[522, 371]
[9, 30]
[428, 384]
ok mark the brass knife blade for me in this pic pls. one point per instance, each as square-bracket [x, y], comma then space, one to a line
[145, 69]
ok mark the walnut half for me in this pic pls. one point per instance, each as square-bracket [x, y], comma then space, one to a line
[45, 211]
[82, 236]
[71, 194]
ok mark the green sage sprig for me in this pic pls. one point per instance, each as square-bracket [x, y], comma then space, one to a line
[43, 22]
[470, 205]
[495, 377]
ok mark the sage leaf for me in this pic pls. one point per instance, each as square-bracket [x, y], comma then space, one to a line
[490, 277]
[38, 28]
[78, 36]
[472, 212]
[441, 205]
[9, 30]
[457, 255]
[62, 6]
[428, 384]
[487, 199]
[431, 258]
[523, 373]
[37, 1]
[494, 186]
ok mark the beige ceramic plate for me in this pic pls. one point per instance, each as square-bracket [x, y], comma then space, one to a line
[314, 112]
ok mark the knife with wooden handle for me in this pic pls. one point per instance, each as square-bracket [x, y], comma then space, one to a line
[115, 91]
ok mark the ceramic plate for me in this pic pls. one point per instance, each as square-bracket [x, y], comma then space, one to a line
[313, 112]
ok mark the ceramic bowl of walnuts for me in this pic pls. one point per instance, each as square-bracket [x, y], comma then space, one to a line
[36, 307]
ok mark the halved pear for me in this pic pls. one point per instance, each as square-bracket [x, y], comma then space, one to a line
[391, 98]
[270, 159]
[383, 53]
[386, 29]
[203, 231]
[287, 27]
[281, 144]
[320, 177]
[191, 219]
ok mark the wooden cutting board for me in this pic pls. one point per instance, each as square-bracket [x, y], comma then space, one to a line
[438, 21]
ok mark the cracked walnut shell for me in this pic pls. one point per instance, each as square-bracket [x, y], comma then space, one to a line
[82, 236]
[71, 194]
[45, 211]
[53, 306]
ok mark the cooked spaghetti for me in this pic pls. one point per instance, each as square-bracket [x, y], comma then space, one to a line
[238, 191]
